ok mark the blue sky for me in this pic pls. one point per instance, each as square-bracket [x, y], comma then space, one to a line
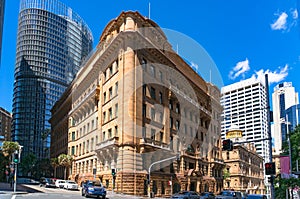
[244, 38]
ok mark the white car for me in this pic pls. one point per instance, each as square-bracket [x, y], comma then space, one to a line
[71, 185]
[60, 183]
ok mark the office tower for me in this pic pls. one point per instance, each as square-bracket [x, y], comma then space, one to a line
[52, 43]
[283, 97]
[293, 116]
[2, 8]
[245, 107]
[134, 103]
[5, 124]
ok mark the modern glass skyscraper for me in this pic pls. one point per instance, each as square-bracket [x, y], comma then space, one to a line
[283, 97]
[52, 43]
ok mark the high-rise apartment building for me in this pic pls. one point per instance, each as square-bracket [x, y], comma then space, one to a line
[283, 98]
[245, 107]
[134, 104]
[52, 43]
[2, 9]
[5, 124]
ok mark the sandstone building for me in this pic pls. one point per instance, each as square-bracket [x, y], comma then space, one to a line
[136, 102]
[244, 170]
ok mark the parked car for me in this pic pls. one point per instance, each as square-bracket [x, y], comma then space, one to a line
[93, 188]
[70, 184]
[207, 195]
[47, 182]
[229, 195]
[256, 196]
[186, 195]
[60, 183]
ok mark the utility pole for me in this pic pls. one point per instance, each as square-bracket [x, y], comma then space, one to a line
[272, 190]
[289, 143]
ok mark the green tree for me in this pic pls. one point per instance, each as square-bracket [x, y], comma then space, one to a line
[65, 161]
[282, 185]
[27, 164]
[9, 148]
[295, 140]
[54, 164]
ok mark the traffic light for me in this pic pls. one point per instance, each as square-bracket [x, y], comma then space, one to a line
[113, 172]
[271, 179]
[270, 168]
[16, 158]
[227, 145]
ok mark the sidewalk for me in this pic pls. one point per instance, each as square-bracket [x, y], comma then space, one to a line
[20, 189]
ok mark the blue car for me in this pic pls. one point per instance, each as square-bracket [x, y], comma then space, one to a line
[93, 189]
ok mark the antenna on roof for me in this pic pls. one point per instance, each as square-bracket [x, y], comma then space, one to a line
[209, 76]
[177, 49]
[149, 9]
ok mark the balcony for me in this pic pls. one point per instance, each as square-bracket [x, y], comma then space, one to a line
[111, 142]
[154, 143]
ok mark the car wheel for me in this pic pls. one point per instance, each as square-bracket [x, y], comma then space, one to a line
[103, 197]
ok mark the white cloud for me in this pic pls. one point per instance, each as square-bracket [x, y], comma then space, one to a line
[273, 76]
[239, 69]
[280, 23]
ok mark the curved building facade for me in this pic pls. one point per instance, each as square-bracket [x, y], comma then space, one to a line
[52, 43]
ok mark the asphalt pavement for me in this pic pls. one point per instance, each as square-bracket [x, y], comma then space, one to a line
[5, 188]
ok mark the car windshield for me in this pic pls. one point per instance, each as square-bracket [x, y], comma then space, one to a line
[94, 184]
[71, 182]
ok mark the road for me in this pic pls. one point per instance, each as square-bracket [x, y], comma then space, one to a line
[50, 193]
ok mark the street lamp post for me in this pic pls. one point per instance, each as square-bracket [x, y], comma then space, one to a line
[149, 171]
[272, 189]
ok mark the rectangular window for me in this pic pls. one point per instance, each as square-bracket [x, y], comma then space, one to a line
[110, 113]
[116, 88]
[160, 98]
[93, 124]
[152, 93]
[104, 117]
[104, 97]
[109, 133]
[103, 135]
[92, 144]
[110, 93]
[153, 134]
[73, 136]
[73, 150]
[161, 136]
[152, 71]
[116, 110]
[152, 114]
[160, 76]
[116, 131]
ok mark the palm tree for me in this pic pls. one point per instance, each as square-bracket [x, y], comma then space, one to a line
[65, 161]
[9, 148]
[55, 164]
